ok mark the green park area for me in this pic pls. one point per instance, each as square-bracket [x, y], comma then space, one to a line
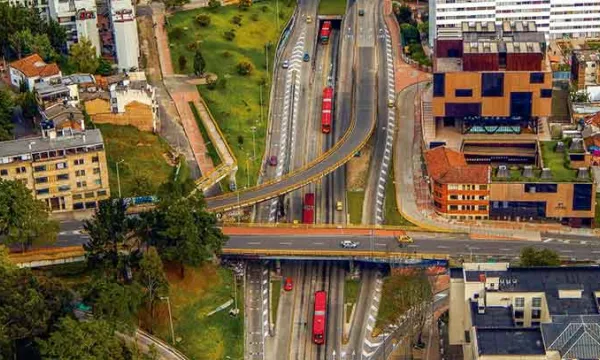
[147, 160]
[392, 214]
[332, 7]
[355, 201]
[198, 334]
[236, 45]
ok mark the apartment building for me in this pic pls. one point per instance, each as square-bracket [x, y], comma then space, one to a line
[79, 18]
[64, 167]
[125, 34]
[492, 79]
[501, 312]
[555, 18]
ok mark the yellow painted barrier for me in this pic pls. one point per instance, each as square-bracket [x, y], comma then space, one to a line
[333, 253]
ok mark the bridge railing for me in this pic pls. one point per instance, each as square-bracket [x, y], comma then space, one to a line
[337, 253]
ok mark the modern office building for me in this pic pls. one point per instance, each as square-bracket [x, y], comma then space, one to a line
[555, 18]
[502, 312]
[492, 79]
[64, 167]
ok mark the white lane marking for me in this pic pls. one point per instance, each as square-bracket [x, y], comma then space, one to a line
[442, 247]
[318, 243]
[254, 243]
[285, 243]
[566, 251]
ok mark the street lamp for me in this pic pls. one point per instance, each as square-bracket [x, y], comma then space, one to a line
[253, 129]
[170, 317]
[118, 177]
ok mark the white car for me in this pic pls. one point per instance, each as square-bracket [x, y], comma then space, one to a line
[286, 64]
[347, 244]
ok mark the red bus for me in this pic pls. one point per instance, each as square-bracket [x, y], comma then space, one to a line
[325, 32]
[326, 108]
[308, 209]
[319, 318]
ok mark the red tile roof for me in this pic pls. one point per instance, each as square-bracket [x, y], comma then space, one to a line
[593, 119]
[447, 166]
[33, 65]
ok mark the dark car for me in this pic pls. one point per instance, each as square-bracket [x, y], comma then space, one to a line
[361, 12]
[273, 160]
[306, 57]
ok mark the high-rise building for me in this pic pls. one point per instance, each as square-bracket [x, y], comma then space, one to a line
[555, 18]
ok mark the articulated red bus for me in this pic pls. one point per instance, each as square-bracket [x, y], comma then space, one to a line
[308, 209]
[319, 318]
[325, 32]
[326, 110]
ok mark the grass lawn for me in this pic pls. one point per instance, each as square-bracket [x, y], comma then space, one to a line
[556, 162]
[351, 290]
[235, 101]
[275, 295]
[145, 157]
[210, 147]
[355, 206]
[332, 7]
[202, 290]
[391, 214]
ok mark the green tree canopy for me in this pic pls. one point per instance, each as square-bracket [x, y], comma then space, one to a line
[530, 256]
[23, 219]
[199, 63]
[6, 112]
[116, 303]
[153, 279]
[83, 56]
[85, 340]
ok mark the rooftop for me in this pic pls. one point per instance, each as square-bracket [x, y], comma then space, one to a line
[510, 341]
[447, 166]
[575, 337]
[33, 65]
[494, 317]
[27, 146]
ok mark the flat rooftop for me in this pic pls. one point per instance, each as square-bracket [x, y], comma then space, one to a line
[511, 341]
[27, 146]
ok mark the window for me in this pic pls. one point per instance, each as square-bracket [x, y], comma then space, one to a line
[536, 78]
[463, 92]
[98, 181]
[519, 302]
[79, 162]
[582, 197]
[39, 168]
[439, 85]
[541, 188]
[95, 159]
[64, 188]
[89, 195]
[4, 172]
[545, 93]
[492, 84]
[41, 180]
[519, 314]
[536, 314]
[90, 205]
[43, 191]
[535, 324]
[21, 170]
[81, 184]
[61, 165]
[482, 187]
[80, 173]
[518, 323]
[453, 197]
[77, 206]
[482, 207]
[101, 193]
[467, 336]
[536, 302]
[77, 197]
[61, 177]
[453, 207]
[97, 171]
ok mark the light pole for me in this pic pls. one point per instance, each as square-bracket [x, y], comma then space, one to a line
[119, 177]
[238, 209]
[170, 317]
[247, 171]
[253, 129]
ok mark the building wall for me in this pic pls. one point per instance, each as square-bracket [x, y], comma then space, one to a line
[135, 114]
[82, 185]
[493, 106]
[461, 201]
[558, 205]
[457, 326]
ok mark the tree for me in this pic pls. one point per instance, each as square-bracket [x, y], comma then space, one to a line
[23, 219]
[83, 56]
[199, 63]
[423, 28]
[104, 67]
[153, 279]
[229, 35]
[28, 105]
[237, 20]
[116, 303]
[41, 45]
[531, 256]
[203, 20]
[409, 33]
[403, 14]
[73, 340]
[171, 4]
[579, 96]
[110, 230]
[245, 4]
[20, 42]
[6, 114]
[244, 68]
[182, 62]
[214, 4]
[56, 34]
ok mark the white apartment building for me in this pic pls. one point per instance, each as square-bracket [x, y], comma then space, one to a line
[79, 17]
[556, 18]
[124, 26]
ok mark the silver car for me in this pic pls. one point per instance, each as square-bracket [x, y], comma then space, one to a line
[347, 244]
[286, 64]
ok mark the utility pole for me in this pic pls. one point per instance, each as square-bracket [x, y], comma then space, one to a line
[261, 102]
[253, 129]
[118, 177]
[170, 317]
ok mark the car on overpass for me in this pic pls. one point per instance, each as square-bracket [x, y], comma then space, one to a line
[348, 244]
[404, 239]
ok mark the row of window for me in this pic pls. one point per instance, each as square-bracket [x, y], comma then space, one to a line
[64, 165]
[61, 188]
[468, 207]
[467, 197]
[89, 195]
[492, 85]
[467, 187]
[63, 177]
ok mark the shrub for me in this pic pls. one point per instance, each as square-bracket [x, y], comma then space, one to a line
[214, 4]
[244, 68]
[237, 20]
[229, 35]
[176, 33]
[240, 140]
[262, 81]
[245, 4]
[203, 20]
[211, 83]
[182, 62]
[264, 8]
[192, 46]
[222, 82]
[226, 54]
[254, 17]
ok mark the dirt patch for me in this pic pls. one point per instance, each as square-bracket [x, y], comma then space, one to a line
[148, 48]
[357, 170]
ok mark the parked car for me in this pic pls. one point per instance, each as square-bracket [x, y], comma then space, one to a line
[306, 57]
[361, 12]
[348, 244]
[288, 284]
[309, 19]
[273, 160]
[339, 206]
[286, 64]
